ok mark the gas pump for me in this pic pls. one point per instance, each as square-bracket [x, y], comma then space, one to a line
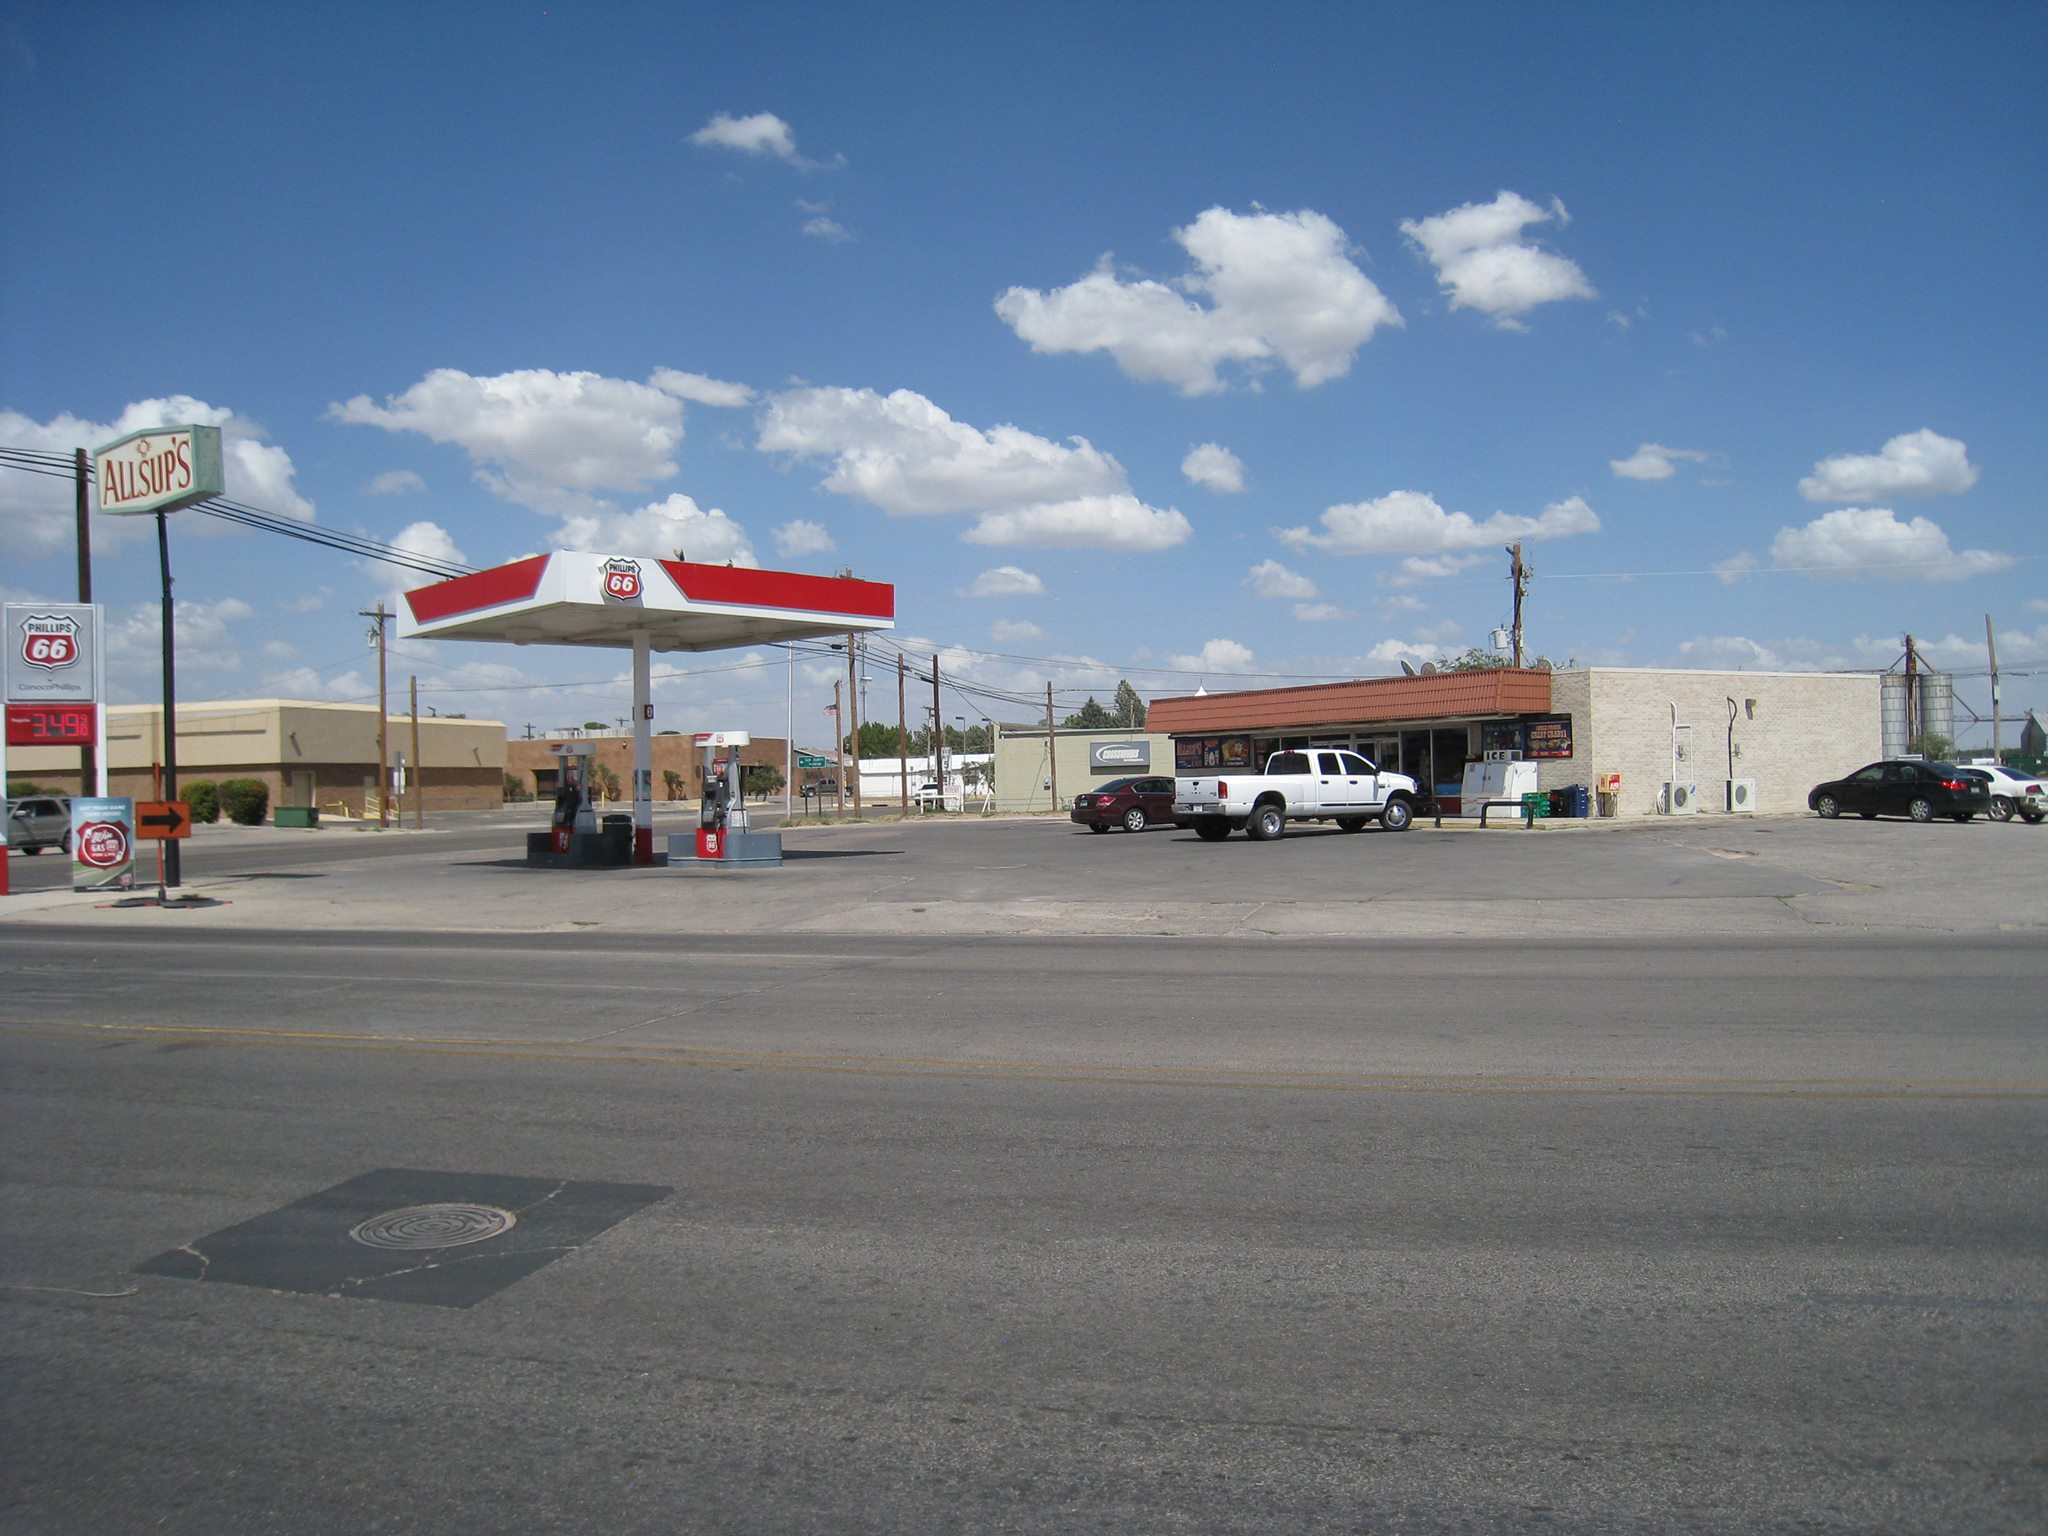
[722, 833]
[573, 812]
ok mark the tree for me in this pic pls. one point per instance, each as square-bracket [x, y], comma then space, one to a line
[1479, 659]
[673, 782]
[877, 739]
[1091, 716]
[760, 779]
[1130, 708]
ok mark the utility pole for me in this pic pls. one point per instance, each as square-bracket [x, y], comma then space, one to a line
[170, 870]
[1052, 750]
[1997, 737]
[1912, 703]
[839, 720]
[1519, 575]
[853, 708]
[383, 715]
[419, 769]
[902, 737]
[89, 756]
[938, 732]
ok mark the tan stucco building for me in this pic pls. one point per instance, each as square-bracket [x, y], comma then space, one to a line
[1765, 737]
[308, 753]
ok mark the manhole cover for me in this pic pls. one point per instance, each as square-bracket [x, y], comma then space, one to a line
[375, 1236]
[433, 1226]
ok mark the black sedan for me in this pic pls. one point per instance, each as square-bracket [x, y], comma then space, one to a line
[1133, 804]
[1903, 786]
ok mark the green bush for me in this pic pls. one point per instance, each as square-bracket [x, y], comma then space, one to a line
[247, 801]
[515, 786]
[203, 795]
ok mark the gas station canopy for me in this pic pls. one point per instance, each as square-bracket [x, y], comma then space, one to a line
[573, 597]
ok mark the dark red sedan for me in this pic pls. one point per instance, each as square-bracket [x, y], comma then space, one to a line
[1133, 804]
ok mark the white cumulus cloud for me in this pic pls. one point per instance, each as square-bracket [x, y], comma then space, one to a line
[759, 133]
[1319, 613]
[1919, 463]
[1733, 653]
[1214, 656]
[542, 439]
[903, 454]
[1005, 581]
[700, 390]
[1653, 461]
[1403, 522]
[1013, 631]
[1266, 287]
[800, 536]
[1871, 541]
[395, 482]
[662, 530]
[1269, 578]
[1120, 522]
[1483, 263]
[1214, 466]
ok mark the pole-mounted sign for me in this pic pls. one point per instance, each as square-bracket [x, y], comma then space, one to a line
[159, 470]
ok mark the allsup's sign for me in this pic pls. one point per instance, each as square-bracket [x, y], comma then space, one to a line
[159, 470]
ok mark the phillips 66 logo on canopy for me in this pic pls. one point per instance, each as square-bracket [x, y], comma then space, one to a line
[622, 579]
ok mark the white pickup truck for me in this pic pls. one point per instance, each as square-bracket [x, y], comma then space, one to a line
[1319, 784]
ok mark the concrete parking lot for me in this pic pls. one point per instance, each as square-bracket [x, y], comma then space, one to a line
[969, 875]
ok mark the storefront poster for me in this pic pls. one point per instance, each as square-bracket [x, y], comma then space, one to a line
[1550, 738]
[1192, 754]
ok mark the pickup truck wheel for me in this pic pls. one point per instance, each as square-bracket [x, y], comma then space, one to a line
[1397, 816]
[1351, 823]
[1212, 829]
[1267, 822]
[1134, 819]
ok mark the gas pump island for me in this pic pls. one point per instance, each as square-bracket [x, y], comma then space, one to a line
[574, 597]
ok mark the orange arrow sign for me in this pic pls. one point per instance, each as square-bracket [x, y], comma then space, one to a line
[163, 819]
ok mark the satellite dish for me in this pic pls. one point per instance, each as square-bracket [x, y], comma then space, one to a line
[1429, 669]
[1408, 667]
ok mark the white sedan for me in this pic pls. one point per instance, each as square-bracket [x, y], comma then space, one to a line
[2011, 793]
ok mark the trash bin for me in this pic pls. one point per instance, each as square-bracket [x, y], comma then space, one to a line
[1578, 801]
[616, 830]
[295, 816]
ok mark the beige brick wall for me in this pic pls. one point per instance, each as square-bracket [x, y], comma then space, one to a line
[1803, 727]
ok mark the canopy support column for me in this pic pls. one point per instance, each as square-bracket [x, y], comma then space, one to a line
[643, 748]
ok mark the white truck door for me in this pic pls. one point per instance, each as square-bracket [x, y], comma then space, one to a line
[1364, 782]
[1294, 774]
[1336, 784]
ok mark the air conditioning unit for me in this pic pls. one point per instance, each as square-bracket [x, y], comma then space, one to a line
[1742, 796]
[1681, 799]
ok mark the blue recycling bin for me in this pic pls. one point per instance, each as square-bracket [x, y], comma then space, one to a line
[1578, 801]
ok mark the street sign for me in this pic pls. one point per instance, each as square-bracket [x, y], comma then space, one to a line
[811, 760]
[162, 819]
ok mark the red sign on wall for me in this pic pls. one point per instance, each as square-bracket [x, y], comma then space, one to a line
[52, 725]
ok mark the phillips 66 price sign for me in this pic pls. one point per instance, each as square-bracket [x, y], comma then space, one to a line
[52, 671]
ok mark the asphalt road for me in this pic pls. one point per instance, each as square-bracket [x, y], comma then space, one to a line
[972, 1232]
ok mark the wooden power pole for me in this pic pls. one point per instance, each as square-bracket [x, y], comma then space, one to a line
[383, 715]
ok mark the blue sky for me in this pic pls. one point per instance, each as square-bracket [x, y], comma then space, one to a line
[1195, 345]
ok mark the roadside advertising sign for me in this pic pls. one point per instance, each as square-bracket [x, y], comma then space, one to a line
[159, 470]
[102, 844]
